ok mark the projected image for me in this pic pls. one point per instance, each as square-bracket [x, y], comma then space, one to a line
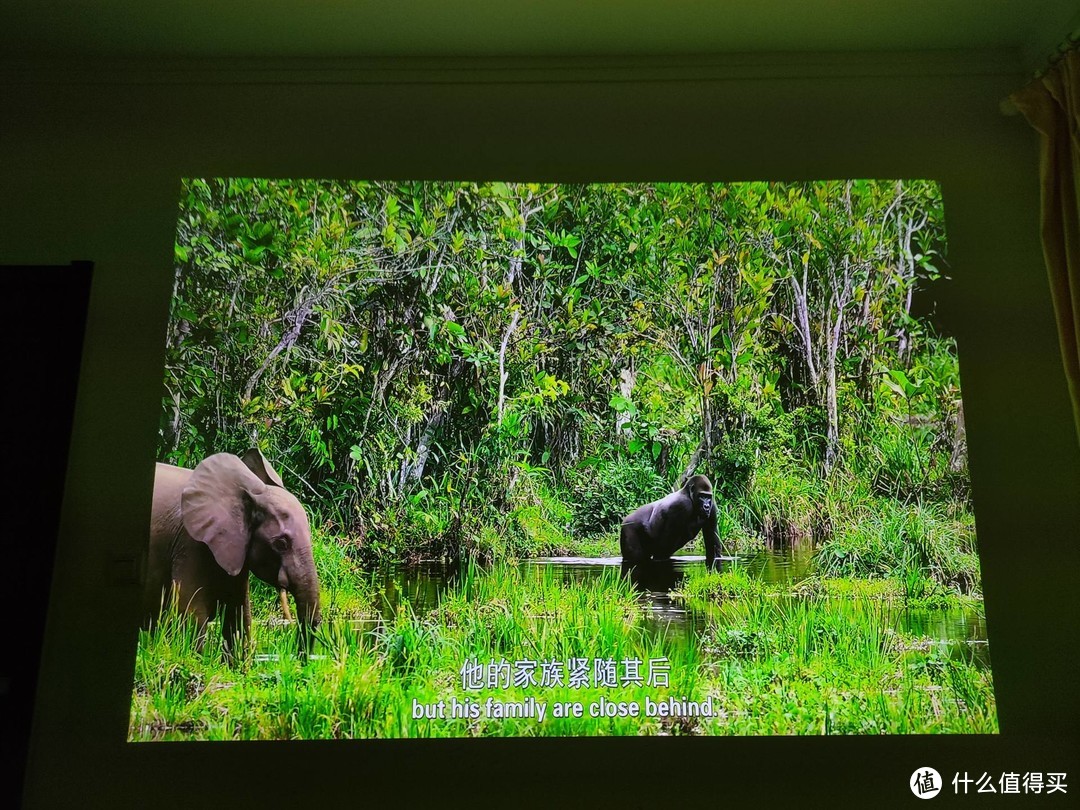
[445, 459]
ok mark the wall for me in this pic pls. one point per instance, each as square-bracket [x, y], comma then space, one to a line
[90, 158]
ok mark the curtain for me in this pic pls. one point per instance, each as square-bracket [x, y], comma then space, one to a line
[1051, 105]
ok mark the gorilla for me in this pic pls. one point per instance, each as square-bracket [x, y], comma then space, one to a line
[658, 529]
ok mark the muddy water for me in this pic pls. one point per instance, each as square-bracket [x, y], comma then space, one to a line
[960, 632]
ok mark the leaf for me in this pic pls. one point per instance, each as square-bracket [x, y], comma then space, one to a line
[892, 386]
[907, 388]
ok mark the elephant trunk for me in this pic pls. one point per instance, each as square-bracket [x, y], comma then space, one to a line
[308, 611]
[306, 596]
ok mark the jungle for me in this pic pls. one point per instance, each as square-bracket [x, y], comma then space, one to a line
[469, 385]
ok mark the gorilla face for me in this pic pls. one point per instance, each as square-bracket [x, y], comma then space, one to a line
[701, 495]
[705, 504]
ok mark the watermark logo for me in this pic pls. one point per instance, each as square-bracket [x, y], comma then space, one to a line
[925, 783]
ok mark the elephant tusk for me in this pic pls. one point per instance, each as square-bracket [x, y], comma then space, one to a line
[284, 596]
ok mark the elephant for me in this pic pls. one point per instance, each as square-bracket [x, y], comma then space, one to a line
[211, 526]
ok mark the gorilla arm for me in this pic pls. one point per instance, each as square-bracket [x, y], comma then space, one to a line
[703, 511]
[712, 542]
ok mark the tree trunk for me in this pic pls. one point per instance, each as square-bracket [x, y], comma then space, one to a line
[802, 320]
[502, 362]
[695, 459]
[295, 320]
[958, 456]
[832, 435]
[626, 387]
[414, 471]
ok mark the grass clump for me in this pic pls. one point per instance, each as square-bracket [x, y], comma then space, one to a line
[887, 538]
[731, 583]
[830, 666]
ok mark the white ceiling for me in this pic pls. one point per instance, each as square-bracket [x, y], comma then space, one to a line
[530, 28]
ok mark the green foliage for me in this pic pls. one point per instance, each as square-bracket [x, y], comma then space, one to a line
[506, 369]
[911, 446]
[603, 493]
[734, 463]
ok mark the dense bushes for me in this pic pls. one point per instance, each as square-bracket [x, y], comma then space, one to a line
[603, 493]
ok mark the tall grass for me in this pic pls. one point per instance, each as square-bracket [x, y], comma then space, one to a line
[827, 665]
[769, 665]
[782, 505]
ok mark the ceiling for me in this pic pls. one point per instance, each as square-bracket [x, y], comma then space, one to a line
[32, 29]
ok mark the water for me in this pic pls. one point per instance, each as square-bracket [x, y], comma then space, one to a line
[959, 632]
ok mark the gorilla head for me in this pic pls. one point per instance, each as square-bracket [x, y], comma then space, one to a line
[699, 489]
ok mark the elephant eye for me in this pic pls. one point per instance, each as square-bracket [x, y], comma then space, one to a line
[280, 544]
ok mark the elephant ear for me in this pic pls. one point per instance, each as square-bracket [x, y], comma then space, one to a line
[215, 507]
[255, 461]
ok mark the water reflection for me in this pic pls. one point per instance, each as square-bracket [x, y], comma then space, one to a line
[655, 576]
[787, 566]
[961, 632]
[421, 586]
